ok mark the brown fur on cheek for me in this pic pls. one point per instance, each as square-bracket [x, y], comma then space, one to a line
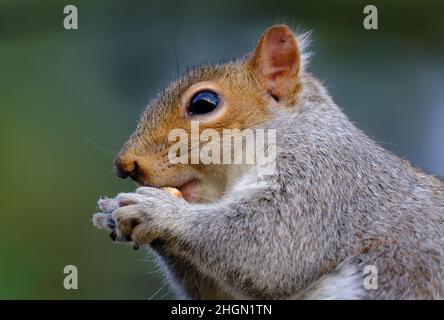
[246, 105]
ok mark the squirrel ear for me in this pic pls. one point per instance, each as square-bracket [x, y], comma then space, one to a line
[276, 61]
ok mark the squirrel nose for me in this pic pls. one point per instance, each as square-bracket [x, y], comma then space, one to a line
[124, 168]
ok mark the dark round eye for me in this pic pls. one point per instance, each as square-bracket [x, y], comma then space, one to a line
[203, 102]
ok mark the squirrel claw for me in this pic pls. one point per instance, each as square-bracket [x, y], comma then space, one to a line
[111, 224]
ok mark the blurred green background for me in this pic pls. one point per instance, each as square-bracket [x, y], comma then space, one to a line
[69, 99]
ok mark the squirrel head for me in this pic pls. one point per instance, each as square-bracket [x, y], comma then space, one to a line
[235, 95]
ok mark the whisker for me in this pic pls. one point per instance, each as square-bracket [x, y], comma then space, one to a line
[155, 293]
[100, 148]
[165, 294]
[176, 59]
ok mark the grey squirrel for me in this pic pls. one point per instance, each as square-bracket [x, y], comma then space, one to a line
[336, 203]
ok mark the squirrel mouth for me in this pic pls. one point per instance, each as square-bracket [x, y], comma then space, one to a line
[186, 189]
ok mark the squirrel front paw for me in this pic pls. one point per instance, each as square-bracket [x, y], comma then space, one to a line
[138, 217]
[103, 219]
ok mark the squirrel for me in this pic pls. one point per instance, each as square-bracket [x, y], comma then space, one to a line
[336, 203]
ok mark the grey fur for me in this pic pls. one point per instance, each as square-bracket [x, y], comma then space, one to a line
[337, 203]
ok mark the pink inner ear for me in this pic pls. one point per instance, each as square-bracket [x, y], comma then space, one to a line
[276, 63]
[280, 54]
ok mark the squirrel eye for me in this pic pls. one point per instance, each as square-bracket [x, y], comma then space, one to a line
[203, 102]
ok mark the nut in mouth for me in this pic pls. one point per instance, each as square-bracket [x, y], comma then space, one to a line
[183, 190]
